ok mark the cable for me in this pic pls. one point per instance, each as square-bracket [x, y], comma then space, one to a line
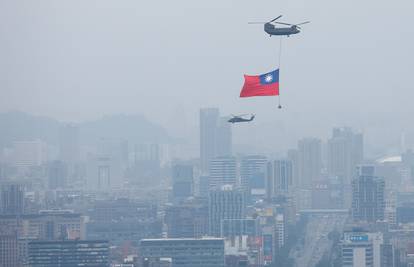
[280, 64]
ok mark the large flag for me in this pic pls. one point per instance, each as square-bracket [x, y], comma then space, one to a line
[261, 85]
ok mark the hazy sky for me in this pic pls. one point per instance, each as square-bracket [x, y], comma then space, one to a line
[80, 59]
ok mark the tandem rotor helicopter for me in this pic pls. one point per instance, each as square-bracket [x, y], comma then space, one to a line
[271, 29]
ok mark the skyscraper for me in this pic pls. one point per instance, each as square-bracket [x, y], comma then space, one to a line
[226, 203]
[223, 138]
[345, 152]
[12, 198]
[8, 249]
[215, 137]
[208, 124]
[368, 203]
[293, 156]
[252, 172]
[187, 220]
[223, 171]
[182, 181]
[279, 178]
[309, 162]
[57, 174]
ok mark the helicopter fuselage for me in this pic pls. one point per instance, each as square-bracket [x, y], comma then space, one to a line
[239, 119]
[284, 31]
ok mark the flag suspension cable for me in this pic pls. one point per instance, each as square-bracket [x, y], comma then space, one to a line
[280, 62]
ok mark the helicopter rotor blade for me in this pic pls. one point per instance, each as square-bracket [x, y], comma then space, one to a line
[276, 18]
[306, 22]
[256, 22]
[283, 23]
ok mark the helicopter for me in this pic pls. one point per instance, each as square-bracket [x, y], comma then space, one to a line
[240, 118]
[271, 29]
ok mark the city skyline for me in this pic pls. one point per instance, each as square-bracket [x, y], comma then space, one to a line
[180, 134]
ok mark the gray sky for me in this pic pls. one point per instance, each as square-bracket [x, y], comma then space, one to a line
[76, 60]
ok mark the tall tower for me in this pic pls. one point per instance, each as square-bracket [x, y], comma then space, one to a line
[12, 198]
[215, 137]
[57, 174]
[279, 178]
[223, 171]
[368, 203]
[208, 130]
[252, 171]
[182, 181]
[223, 138]
[226, 203]
[309, 162]
[345, 152]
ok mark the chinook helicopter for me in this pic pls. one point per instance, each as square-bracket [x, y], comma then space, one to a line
[271, 29]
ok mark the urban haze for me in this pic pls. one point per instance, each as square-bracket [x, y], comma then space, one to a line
[116, 148]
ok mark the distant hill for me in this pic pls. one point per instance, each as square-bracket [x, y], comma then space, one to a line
[15, 126]
[134, 128]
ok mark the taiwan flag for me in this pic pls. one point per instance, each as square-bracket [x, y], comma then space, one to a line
[261, 85]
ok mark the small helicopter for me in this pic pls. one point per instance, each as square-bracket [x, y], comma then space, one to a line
[240, 118]
[271, 29]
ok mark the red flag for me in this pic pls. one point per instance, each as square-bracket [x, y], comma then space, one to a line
[261, 85]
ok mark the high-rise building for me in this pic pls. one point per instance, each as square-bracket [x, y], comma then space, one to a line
[252, 172]
[309, 162]
[91, 253]
[203, 186]
[69, 144]
[12, 198]
[293, 156]
[223, 171]
[187, 220]
[104, 172]
[223, 138]
[279, 178]
[57, 174]
[8, 249]
[226, 203]
[362, 249]
[146, 168]
[368, 203]
[215, 137]
[208, 130]
[345, 152]
[182, 181]
[273, 232]
[181, 252]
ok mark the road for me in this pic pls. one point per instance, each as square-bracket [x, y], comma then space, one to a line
[310, 249]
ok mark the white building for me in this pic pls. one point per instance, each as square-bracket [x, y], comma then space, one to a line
[223, 171]
[361, 249]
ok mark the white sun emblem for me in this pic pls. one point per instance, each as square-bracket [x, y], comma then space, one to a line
[269, 78]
